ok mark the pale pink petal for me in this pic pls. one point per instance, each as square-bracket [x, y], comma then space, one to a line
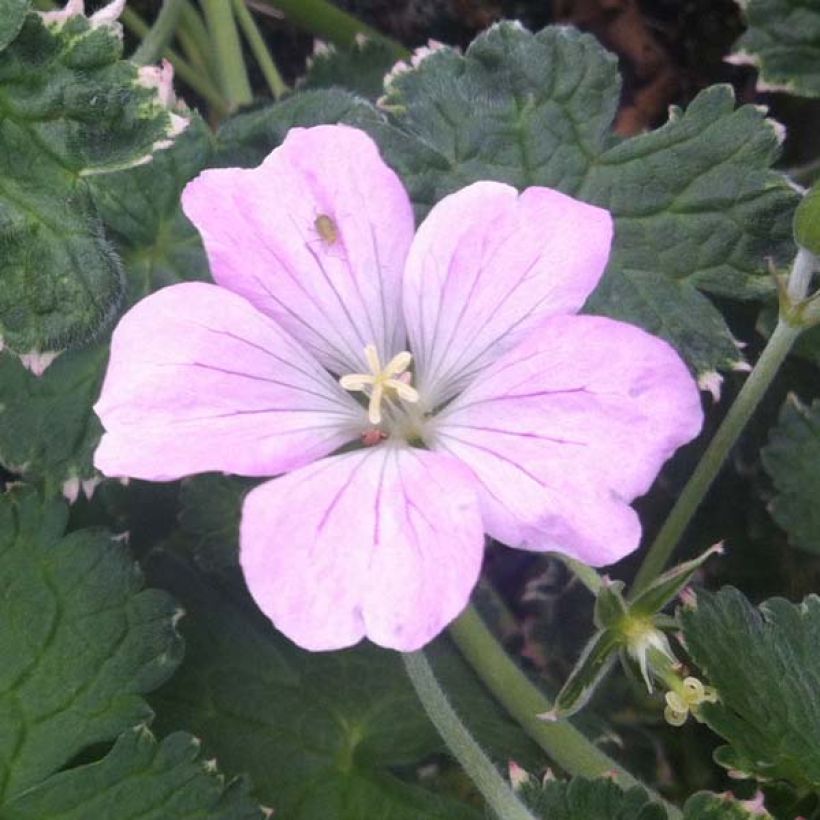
[385, 543]
[200, 380]
[315, 237]
[486, 266]
[569, 427]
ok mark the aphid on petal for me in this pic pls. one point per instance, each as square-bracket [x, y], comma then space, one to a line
[327, 229]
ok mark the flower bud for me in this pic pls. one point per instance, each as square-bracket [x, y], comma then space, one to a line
[807, 221]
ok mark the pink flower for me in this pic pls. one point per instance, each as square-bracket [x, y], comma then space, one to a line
[453, 359]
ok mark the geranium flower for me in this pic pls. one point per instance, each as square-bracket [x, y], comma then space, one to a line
[417, 391]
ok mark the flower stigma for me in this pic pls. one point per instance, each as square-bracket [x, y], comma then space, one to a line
[382, 382]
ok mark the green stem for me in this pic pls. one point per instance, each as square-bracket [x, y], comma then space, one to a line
[251, 31]
[193, 23]
[202, 85]
[481, 770]
[233, 73]
[330, 23]
[776, 350]
[193, 37]
[157, 39]
[524, 701]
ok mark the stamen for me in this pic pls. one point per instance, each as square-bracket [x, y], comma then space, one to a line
[382, 382]
[690, 695]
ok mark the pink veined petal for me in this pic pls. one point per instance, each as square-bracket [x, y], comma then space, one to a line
[385, 543]
[315, 237]
[486, 266]
[567, 428]
[200, 380]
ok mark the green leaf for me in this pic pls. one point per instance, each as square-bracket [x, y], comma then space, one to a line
[139, 779]
[696, 207]
[247, 138]
[582, 799]
[360, 68]
[48, 431]
[81, 640]
[140, 208]
[210, 507]
[791, 458]
[12, 15]
[783, 41]
[319, 733]
[70, 108]
[765, 665]
[707, 806]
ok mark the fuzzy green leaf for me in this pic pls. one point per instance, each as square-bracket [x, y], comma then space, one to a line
[783, 41]
[765, 664]
[12, 15]
[791, 458]
[319, 733]
[582, 799]
[209, 517]
[707, 806]
[70, 108]
[247, 138]
[360, 68]
[139, 779]
[48, 431]
[696, 207]
[81, 640]
[141, 212]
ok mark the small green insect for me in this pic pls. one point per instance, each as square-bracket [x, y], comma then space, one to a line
[327, 229]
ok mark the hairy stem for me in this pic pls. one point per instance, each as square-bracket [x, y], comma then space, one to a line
[233, 73]
[481, 770]
[524, 701]
[260, 51]
[155, 42]
[773, 355]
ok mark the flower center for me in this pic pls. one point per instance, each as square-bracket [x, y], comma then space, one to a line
[382, 383]
[688, 697]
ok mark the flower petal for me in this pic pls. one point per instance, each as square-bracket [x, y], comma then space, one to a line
[385, 543]
[200, 380]
[486, 266]
[315, 237]
[568, 428]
